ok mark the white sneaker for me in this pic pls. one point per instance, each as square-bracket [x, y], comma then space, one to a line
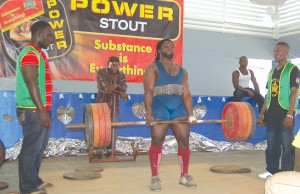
[188, 181]
[155, 184]
[265, 175]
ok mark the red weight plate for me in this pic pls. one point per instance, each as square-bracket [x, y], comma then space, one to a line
[102, 129]
[243, 110]
[230, 113]
[96, 125]
[108, 128]
[253, 123]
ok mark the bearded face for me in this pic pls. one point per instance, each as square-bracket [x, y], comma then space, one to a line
[167, 50]
[167, 55]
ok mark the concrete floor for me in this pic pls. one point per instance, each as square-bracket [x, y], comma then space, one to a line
[133, 177]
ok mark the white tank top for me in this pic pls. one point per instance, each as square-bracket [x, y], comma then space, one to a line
[244, 79]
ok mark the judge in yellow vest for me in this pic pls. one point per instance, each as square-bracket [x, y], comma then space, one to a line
[280, 103]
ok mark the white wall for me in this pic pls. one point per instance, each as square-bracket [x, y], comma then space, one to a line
[294, 42]
[210, 58]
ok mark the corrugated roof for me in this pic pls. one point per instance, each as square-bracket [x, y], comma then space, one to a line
[243, 17]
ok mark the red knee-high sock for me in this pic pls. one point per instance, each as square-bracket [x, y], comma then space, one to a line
[154, 158]
[184, 160]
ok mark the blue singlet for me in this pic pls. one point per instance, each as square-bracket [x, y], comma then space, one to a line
[168, 107]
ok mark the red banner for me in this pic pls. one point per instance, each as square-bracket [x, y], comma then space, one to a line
[88, 32]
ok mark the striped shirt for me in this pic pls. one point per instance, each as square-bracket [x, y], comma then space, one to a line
[104, 79]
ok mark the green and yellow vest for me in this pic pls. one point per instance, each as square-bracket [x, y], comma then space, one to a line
[23, 98]
[284, 92]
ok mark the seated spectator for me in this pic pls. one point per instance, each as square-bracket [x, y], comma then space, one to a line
[240, 79]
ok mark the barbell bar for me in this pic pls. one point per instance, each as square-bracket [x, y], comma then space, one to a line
[237, 120]
[133, 123]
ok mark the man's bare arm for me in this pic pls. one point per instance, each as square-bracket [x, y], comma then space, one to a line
[253, 79]
[149, 81]
[30, 76]
[186, 96]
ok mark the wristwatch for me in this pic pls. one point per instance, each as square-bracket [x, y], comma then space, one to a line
[291, 116]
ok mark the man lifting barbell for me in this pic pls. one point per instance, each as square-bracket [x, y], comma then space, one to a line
[167, 97]
[238, 118]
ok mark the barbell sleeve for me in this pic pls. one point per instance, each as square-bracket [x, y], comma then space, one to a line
[75, 126]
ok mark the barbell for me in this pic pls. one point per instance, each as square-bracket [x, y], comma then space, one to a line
[237, 120]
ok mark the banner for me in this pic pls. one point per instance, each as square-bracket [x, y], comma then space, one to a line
[88, 32]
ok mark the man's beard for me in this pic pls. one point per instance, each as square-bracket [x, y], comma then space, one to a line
[168, 56]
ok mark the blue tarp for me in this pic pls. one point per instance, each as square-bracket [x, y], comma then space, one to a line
[11, 131]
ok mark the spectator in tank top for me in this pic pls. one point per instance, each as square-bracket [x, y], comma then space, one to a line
[240, 79]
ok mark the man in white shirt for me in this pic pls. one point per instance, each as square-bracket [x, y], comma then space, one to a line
[240, 79]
